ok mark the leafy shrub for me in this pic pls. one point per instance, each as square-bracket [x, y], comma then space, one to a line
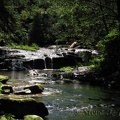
[66, 69]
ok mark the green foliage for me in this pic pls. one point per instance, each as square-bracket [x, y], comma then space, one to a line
[32, 117]
[110, 36]
[96, 62]
[47, 22]
[7, 117]
[113, 34]
[33, 47]
[109, 67]
[66, 69]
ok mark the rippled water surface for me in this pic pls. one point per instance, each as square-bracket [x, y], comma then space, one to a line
[73, 101]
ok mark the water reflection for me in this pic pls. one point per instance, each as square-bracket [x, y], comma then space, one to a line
[73, 101]
[18, 75]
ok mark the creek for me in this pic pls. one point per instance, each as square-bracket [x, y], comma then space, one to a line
[70, 101]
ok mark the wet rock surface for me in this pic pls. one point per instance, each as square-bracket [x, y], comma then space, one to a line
[44, 58]
[20, 106]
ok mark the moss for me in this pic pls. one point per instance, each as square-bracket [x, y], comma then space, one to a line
[7, 117]
[32, 117]
[3, 79]
[40, 87]
[67, 69]
[20, 106]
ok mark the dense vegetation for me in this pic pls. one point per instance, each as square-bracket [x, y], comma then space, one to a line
[92, 23]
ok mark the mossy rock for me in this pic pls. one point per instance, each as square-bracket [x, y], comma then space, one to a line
[6, 89]
[32, 117]
[4, 79]
[20, 106]
[3, 118]
[38, 88]
[7, 117]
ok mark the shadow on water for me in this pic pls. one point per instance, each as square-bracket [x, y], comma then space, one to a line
[73, 101]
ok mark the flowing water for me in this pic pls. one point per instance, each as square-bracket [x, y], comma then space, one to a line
[71, 101]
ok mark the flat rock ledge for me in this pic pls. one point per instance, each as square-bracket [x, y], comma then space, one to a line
[20, 106]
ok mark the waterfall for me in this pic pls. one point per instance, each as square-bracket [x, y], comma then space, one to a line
[48, 63]
[51, 63]
[45, 63]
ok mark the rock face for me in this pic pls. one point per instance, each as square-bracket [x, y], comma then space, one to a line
[44, 58]
[19, 107]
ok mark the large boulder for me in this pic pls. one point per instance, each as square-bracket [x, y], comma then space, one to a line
[19, 106]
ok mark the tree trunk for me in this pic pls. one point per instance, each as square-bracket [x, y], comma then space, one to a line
[103, 17]
[118, 11]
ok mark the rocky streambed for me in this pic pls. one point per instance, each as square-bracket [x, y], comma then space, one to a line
[17, 96]
[62, 98]
[17, 104]
[21, 89]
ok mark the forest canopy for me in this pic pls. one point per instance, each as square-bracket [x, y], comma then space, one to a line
[57, 22]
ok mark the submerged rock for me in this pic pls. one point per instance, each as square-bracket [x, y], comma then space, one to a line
[19, 106]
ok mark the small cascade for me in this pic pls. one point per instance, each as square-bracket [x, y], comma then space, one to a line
[48, 63]
[45, 63]
[53, 57]
[51, 63]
